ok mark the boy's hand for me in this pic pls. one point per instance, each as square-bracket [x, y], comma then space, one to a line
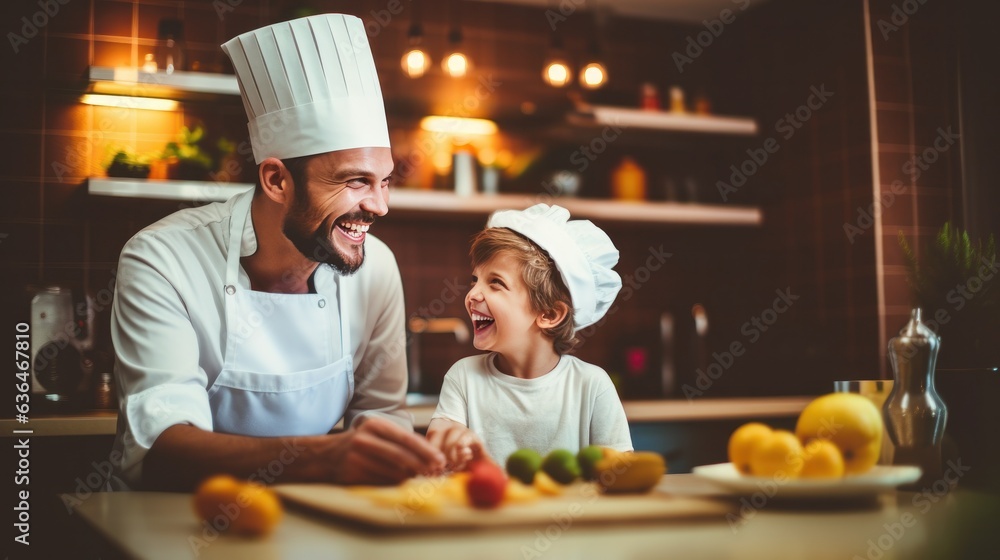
[459, 444]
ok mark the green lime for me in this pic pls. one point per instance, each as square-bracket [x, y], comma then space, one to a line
[562, 466]
[523, 464]
[588, 458]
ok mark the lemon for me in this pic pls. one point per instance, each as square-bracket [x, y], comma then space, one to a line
[588, 458]
[851, 422]
[743, 441]
[822, 459]
[562, 466]
[523, 464]
[780, 454]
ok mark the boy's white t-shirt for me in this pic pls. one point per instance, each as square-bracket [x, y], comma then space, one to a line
[571, 407]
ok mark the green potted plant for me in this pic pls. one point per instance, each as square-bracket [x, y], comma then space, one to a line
[955, 282]
[186, 159]
[126, 163]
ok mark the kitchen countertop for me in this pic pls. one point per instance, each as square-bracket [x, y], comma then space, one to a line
[97, 423]
[904, 525]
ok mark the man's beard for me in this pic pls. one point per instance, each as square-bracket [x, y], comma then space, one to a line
[316, 245]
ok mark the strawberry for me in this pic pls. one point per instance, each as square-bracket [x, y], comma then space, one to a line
[486, 485]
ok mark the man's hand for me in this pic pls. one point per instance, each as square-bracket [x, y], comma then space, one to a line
[375, 452]
[459, 444]
[381, 452]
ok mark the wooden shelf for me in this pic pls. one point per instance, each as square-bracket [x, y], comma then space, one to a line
[606, 210]
[178, 85]
[192, 191]
[625, 117]
[440, 202]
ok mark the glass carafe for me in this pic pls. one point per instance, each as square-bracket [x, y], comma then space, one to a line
[914, 413]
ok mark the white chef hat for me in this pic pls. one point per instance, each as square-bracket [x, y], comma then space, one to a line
[309, 87]
[582, 252]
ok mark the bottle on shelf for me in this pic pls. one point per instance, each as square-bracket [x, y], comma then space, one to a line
[649, 96]
[628, 181]
[677, 100]
[169, 47]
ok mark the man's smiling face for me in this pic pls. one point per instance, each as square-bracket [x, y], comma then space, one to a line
[329, 216]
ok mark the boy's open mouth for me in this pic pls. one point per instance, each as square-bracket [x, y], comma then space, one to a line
[480, 321]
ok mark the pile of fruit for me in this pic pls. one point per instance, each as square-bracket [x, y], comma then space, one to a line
[614, 471]
[528, 477]
[837, 434]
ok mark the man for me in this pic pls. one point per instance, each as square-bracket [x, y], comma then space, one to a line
[245, 330]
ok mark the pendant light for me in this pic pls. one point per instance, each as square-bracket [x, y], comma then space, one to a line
[456, 64]
[594, 74]
[415, 61]
[557, 72]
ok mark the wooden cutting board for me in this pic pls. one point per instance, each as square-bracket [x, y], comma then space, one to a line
[386, 508]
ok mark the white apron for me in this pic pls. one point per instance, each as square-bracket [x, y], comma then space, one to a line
[282, 374]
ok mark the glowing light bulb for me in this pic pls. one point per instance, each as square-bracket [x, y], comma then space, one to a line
[593, 75]
[415, 63]
[456, 65]
[556, 73]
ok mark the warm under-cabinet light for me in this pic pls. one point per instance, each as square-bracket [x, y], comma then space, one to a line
[458, 126]
[126, 102]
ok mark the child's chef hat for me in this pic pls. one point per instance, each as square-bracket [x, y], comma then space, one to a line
[583, 253]
[309, 87]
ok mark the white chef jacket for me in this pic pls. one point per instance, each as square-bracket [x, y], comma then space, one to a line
[168, 328]
[570, 407]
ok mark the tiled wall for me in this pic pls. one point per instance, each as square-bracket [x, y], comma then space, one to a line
[811, 186]
[763, 65]
[917, 145]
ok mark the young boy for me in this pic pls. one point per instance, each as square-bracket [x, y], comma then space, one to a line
[538, 278]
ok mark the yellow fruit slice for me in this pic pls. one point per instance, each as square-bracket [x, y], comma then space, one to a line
[742, 443]
[519, 493]
[630, 472]
[822, 459]
[453, 488]
[544, 484]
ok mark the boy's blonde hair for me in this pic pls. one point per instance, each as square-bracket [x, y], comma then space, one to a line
[545, 286]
